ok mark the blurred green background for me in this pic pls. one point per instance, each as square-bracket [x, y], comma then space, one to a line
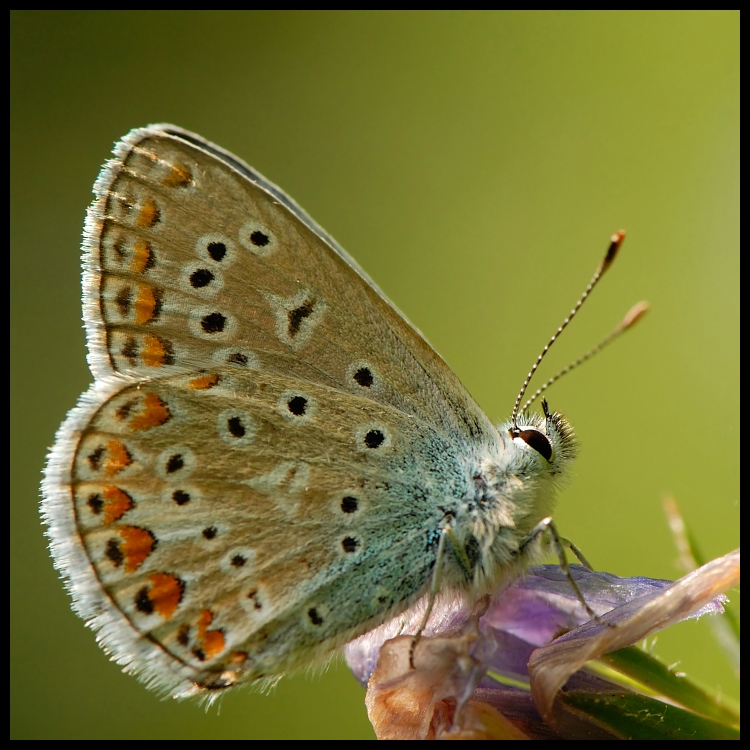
[475, 164]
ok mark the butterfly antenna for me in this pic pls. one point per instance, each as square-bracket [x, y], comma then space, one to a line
[614, 245]
[633, 316]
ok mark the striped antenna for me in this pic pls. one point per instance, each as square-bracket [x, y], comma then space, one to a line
[614, 245]
[633, 316]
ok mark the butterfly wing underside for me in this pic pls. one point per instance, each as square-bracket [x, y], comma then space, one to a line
[250, 481]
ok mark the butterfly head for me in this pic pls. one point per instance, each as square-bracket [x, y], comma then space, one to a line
[548, 437]
[537, 451]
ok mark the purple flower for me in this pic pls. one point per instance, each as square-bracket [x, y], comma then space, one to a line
[494, 670]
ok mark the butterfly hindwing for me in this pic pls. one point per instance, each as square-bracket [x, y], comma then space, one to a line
[180, 531]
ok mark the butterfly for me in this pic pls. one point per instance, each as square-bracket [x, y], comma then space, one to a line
[271, 460]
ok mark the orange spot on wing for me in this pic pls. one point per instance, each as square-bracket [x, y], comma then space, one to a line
[204, 382]
[117, 457]
[165, 593]
[154, 412]
[212, 641]
[116, 503]
[178, 176]
[142, 256]
[238, 657]
[205, 619]
[146, 305]
[149, 214]
[137, 545]
[154, 353]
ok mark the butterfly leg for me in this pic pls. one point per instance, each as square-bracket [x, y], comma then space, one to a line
[547, 526]
[447, 536]
[577, 552]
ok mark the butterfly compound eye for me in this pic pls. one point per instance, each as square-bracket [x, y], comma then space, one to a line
[536, 440]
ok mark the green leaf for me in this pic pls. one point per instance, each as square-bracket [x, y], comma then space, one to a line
[637, 717]
[657, 678]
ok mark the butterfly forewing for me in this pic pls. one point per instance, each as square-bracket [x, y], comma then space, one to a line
[194, 262]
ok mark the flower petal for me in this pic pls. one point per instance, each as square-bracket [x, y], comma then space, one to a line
[550, 667]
